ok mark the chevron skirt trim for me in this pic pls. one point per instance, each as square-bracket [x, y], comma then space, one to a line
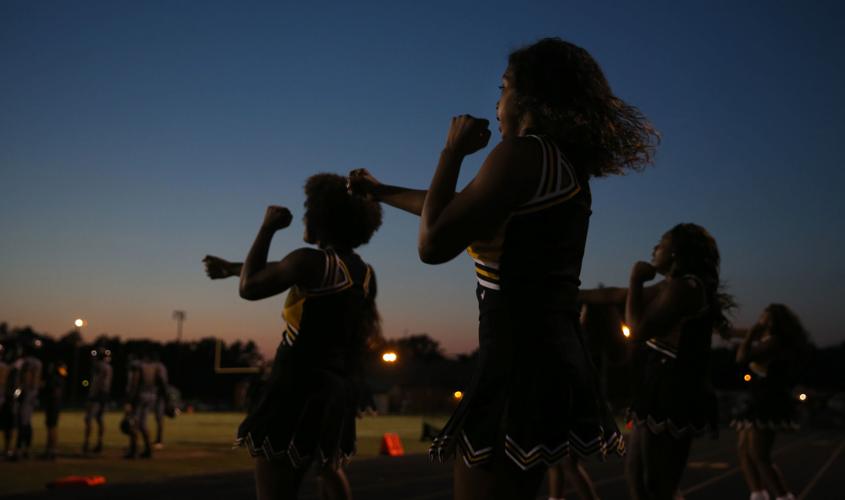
[540, 455]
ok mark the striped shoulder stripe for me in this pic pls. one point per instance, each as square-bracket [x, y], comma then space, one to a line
[558, 180]
[289, 335]
[336, 276]
[662, 348]
[367, 277]
[328, 272]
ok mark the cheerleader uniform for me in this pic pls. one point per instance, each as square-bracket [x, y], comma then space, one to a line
[770, 404]
[307, 409]
[534, 396]
[672, 392]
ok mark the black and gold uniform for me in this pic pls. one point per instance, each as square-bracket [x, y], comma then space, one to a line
[307, 409]
[673, 392]
[534, 397]
[770, 403]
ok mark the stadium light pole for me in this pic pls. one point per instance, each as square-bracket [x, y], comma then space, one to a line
[179, 316]
[78, 323]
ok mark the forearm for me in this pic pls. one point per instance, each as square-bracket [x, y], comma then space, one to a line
[409, 200]
[234, 268]
[256, 259]
[441, 192]
[743, 353]
[603, 296]
[634, 306]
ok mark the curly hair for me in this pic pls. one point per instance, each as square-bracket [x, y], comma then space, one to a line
[566, 92]
[786, 326]
[695, 252]
[334, 217]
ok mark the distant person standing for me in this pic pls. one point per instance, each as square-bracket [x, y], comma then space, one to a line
[772, 350]
[162, 401]
[143, 383]
[28, 382]
[54, 387]
[98, 398]
[7, 401]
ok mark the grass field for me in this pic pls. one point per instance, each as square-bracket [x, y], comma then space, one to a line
[197, 443]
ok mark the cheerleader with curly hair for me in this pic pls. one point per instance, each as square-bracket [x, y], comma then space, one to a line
[306, 412]
[523, 219]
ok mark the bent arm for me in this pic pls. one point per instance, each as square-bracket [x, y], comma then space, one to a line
[750, 350]
[451, 221]
[673, 301]
[603, 296]
[260, 279]
[616, 296]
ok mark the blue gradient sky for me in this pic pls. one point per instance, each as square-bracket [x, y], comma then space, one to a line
[135, 137]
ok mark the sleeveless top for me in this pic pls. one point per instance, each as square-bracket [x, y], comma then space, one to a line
[691, 350]
[319, 320]
[538, 250]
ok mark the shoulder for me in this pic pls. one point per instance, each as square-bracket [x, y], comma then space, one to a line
[516, 151]
[687, 292]
[307, 259]
[306, 254]
[513, 167]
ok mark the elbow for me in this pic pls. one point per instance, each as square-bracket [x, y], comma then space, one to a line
[427, 255]
[430, 255]
[247, 293]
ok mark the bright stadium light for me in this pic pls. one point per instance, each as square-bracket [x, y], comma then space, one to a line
[389, 357]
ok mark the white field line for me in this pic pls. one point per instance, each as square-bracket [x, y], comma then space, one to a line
[733, 471]
[821, 471]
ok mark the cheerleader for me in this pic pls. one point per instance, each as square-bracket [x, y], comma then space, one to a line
[771, 350]
[306, 412]
[523, 219]
[673, 398]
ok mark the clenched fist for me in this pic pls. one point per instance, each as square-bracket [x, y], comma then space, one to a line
[276, 218]
[362, 183]
[217, 268]
[642, 272]
[467, 134]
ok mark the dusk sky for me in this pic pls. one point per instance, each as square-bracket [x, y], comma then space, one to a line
[136, 137]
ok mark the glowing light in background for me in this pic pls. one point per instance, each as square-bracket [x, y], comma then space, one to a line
[626, 331]
[389, 357]
[802, 397]
[746, 377]
[458, 395]
[79, 323]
